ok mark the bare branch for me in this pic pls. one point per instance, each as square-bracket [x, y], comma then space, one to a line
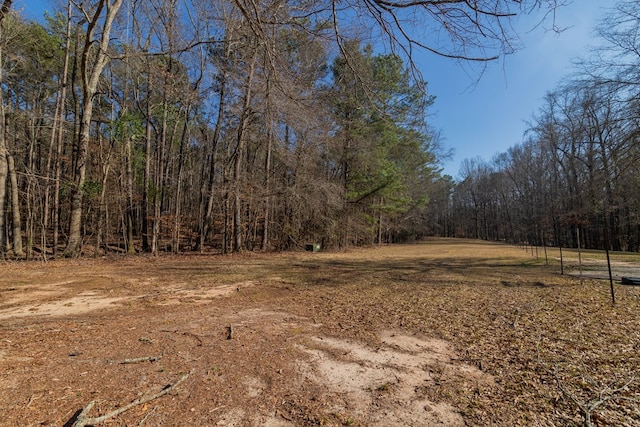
[83, 421]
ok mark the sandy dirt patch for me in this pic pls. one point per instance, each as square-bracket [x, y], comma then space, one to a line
[82, 303]
[386, 385]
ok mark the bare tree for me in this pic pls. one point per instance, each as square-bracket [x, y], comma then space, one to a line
[57, 140]
[4, 166]
[467, 31]
[94, 58]
[4, 172]
[236, 104]
[16, 220]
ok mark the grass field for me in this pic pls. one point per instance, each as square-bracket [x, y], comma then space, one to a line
[445, 332]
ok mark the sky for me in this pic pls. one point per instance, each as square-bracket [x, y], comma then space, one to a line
[33, 9]
[481, 117]
[484, 118]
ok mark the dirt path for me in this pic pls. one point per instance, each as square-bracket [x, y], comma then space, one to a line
[595, 268]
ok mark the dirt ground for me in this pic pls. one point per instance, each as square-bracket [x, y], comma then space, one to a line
[442, 333]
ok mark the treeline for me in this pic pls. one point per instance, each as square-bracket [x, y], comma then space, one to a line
[168, 125]
[575, 180]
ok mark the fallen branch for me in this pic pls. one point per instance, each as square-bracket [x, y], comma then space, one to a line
[604, 395]
[144, 419]
[141, 359]
[83, 421]
[186, 333]
[191, 334]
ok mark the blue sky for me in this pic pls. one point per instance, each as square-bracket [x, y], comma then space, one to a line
[490, 117]
[485, 116]
[33, 9]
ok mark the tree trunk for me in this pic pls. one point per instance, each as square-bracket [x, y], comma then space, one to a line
[380, 223]
[89, 86]
[15, 208]
[159, 180]
[146, 182]
[4, 171]
[210, 189]
[102, 213]
[183, 141]
[267, 170]
[57, 132]
[131, 248]
[4, 167]
[267, 189]
[239, 155]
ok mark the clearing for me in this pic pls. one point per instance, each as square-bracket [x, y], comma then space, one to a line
[441, 333]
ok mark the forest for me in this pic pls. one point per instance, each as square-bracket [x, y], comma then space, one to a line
[574, 179]
[197, 125]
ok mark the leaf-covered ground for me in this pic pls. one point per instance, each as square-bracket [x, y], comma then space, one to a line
[445, 332]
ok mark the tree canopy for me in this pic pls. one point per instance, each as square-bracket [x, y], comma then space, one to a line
[168, 126]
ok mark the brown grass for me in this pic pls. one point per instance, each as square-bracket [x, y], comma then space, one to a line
[559, 352]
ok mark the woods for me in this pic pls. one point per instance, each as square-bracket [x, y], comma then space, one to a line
[169, 126]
